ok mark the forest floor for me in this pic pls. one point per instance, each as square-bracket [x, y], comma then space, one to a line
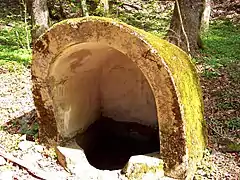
[219, 70]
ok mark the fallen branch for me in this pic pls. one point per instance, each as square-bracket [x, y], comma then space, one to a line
[122, 4]
[131, 5]
[32, 170]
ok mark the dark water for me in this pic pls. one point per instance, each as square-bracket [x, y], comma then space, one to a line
[109, 144]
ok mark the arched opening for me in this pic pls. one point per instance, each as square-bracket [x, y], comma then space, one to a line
[103, 97]
[72, 89]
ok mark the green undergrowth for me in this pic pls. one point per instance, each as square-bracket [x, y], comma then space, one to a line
[221, 43]
[151, 16]
[15, 39]
[13, 44]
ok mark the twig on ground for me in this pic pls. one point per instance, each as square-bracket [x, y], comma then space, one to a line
[220, 134]
[32, 170]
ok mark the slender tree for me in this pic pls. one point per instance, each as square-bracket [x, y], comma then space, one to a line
[206, 16]
[185, 25]
[40, 18]
[105, 6]
[84, 8]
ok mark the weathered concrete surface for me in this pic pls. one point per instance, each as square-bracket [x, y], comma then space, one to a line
[144, 166]
[84, 67]
[140, 167]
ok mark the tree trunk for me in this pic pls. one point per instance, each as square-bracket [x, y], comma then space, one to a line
[185, 29]
[206, 16]
[84, 8]
[40, 18]
[105, 6]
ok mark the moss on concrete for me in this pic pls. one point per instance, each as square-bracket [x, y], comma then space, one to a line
[189, 92]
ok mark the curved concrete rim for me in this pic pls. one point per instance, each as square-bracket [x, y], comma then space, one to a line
[169, 72]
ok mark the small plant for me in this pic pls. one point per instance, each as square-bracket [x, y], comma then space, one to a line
[225, 105]
[210, 74]
[31, 130]
[234, 124]
[234, 147]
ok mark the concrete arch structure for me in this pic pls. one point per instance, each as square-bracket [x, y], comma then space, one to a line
[151, 79]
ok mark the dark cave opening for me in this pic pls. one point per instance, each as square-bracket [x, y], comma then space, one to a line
[108, 144]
